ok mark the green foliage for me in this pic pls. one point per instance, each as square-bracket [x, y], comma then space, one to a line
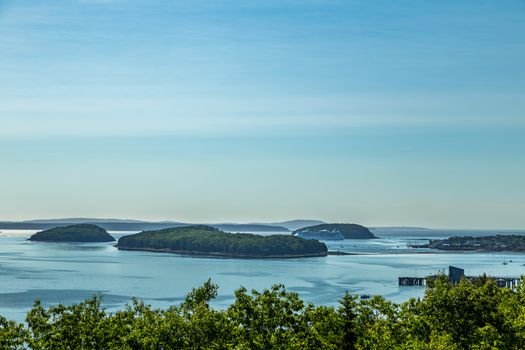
[12, 335]
[73, 233]
[200, 296]
[208, 240]
[268, 319]
[470, 315]
[348, 314]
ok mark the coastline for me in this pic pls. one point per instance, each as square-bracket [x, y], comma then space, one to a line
[466, 250]
[224, 255]
[481, 250]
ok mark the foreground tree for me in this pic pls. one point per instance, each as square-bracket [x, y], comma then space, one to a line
[12, 335]
[470, 315]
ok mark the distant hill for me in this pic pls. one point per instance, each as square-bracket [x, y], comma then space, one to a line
[73, 233]
[107, 225]
[207, 240]
[131, 225]
[399, 228]
[335, 231]
[293, 225]
[250, 228]
[80, 221]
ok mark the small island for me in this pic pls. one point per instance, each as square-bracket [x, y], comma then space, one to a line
[498, 243]
[334, 232]
[73, 233]
[210, 241]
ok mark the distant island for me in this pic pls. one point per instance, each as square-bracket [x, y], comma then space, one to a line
[334, 232]
[498, 243]
[73, 233]
[207, 240]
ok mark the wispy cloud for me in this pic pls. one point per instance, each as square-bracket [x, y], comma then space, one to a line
[224, 117]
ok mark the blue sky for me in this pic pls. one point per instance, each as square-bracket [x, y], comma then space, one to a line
[376, 112]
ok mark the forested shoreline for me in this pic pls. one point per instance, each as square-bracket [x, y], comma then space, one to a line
[73, 233]
[497, 243]
[205, 240]
[470, 315]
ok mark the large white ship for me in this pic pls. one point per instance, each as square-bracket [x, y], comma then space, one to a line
[324, 235]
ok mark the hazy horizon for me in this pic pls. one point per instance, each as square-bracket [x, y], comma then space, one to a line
[270, 222]
[379, 113]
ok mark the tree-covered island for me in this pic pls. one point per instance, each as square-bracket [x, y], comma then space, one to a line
[334, 232]
[73, 233]
[206, 240]
[498, 243]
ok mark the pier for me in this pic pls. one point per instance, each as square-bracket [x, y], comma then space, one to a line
[412, 281]
[455, 274]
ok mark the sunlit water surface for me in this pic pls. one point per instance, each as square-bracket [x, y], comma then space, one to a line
[70, 272]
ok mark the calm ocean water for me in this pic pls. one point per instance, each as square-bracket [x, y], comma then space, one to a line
[68, 273]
